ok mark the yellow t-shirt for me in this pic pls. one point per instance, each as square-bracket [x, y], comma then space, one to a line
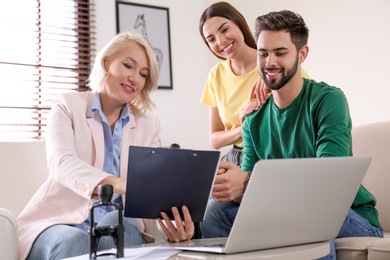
[304, 74]
[229, 93]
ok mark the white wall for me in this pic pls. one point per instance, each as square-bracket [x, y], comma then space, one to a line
[183, 119]
[349, 47]
[349, 43]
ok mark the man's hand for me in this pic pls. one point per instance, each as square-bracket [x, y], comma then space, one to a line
[184, 230]
[229, 182]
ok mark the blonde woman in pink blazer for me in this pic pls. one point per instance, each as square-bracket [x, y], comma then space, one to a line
[87, 135]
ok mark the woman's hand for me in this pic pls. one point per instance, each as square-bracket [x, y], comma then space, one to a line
[118, 184]
[184, 230]
[247, 109]
[260, 92]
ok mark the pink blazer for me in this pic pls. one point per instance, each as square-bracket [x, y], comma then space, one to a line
[75, 156]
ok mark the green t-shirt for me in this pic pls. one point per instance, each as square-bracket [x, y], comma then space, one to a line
[316, 124]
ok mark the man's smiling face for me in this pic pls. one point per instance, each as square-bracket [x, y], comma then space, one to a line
[277, 58]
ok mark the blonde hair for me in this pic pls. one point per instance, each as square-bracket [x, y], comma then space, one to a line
[99, 74]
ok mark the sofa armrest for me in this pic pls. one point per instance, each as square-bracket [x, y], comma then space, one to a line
[379, 250]
[8, 235]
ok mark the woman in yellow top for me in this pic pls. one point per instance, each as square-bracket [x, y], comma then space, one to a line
[229, 84]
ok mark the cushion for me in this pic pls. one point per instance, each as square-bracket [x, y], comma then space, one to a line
[379, 250]
[374, 140]
[354, 247]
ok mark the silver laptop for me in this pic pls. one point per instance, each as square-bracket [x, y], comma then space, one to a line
[290, 202]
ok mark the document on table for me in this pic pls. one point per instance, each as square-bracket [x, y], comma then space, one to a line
[149, 252]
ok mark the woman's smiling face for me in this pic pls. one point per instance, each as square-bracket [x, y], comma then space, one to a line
[223, 37]
[128, 70]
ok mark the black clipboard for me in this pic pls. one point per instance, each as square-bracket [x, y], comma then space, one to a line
[160, 178]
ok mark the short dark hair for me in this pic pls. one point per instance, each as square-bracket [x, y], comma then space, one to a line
[226, 10]
[284, 20]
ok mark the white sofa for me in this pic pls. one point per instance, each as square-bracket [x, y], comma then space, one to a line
[372, 140]
[22, 170]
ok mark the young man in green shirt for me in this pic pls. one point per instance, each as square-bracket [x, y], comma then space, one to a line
[302, 118]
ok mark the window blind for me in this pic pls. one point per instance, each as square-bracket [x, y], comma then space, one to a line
[46, 49]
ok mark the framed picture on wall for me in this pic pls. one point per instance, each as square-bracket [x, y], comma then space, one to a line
[152, 22]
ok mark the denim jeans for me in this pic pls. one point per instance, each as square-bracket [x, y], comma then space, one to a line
[220, 217]
[62, 241]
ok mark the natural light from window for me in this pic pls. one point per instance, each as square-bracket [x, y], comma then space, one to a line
[38, 59]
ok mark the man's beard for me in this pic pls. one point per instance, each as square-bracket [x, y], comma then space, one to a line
[273, 84]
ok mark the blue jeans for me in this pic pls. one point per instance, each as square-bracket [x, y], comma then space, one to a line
[62, 241]
[220, 217]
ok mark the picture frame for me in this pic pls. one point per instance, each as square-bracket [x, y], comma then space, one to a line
[152, 22]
